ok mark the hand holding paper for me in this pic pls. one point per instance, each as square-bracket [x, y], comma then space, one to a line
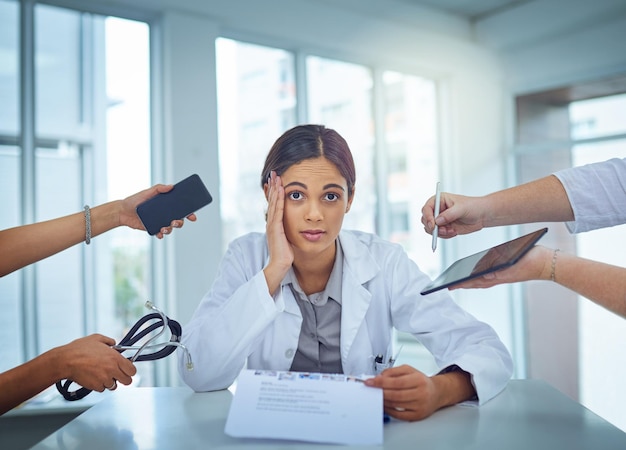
[331, 408]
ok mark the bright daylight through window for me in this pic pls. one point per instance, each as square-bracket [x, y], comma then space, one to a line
[90, 143]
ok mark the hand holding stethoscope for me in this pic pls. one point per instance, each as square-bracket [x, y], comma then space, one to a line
[128, 343]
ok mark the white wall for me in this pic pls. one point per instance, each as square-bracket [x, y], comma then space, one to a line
[545, 44]
[190, 146]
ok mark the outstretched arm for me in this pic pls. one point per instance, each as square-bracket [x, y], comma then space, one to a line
[89, 361]
[28, 244]
[542, 200]
[604, 284]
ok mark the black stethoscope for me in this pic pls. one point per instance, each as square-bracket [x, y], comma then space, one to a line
[129, 341]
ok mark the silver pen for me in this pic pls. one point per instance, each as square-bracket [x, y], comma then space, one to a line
[437, 207]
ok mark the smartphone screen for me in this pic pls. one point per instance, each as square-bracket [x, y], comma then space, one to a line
[481, 263]
[186, 197]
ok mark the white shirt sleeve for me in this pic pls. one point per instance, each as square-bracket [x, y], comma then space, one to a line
[597, 193]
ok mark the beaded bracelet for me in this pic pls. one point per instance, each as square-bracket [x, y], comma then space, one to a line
[553, 270]
[87, 225]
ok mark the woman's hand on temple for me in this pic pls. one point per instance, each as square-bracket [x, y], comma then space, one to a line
[280, 250]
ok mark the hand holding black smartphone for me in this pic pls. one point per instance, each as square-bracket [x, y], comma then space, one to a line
[186, 197]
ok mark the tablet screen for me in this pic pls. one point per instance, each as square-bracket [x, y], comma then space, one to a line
[490, 260]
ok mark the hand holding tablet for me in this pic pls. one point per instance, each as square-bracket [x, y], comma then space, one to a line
[487, 261]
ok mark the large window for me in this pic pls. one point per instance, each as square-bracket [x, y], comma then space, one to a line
[602, 352]
[10, 176]
[556, 130]
[256, 103]
[389, 120]
[340, 96]
[76, 131]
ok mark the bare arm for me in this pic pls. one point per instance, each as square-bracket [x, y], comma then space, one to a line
[89, 361]
[542, 200]
[28, 244]
[604, 284]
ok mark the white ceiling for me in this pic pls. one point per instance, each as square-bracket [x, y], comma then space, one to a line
[472, 10]
[502, 25]
[507, 24]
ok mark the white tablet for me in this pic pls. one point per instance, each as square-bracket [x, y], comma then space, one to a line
[481, 263]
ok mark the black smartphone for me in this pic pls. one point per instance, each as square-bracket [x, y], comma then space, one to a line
[481, 263]
[186, 197]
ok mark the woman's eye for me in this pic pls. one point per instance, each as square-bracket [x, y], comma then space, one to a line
[295, 195]
[331, 197]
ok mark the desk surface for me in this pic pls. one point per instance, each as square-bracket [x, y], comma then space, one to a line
[528, 414]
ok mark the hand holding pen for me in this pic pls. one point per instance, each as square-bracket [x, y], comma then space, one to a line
[436, 213]
[454, 214]
[408, 394]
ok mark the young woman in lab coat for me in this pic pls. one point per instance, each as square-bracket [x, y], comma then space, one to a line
[309, 296]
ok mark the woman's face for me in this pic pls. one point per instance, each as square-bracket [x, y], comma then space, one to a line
[316, 200]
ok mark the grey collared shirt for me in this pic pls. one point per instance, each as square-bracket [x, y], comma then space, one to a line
[318, 345]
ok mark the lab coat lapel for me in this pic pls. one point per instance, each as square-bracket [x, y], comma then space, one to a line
[359, 267]
[280, 341]
[291, 304]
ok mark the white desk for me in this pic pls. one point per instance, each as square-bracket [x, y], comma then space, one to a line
[529, 414]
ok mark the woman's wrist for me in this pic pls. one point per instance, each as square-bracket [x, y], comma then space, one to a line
[54, 364]
[107, 216]
[273, 276]
[548, 262]
[453, 387]
[495, 210]
[485, 209]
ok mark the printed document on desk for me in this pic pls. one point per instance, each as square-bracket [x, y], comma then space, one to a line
[314, 407]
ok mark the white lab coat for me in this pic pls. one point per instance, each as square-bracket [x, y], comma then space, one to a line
[239, 323]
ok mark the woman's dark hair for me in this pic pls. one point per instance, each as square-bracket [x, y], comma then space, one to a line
[309, 142]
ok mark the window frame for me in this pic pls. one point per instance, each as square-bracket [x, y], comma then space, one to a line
[27, 140]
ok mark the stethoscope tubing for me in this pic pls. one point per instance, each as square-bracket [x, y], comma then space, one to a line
[132, 337]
